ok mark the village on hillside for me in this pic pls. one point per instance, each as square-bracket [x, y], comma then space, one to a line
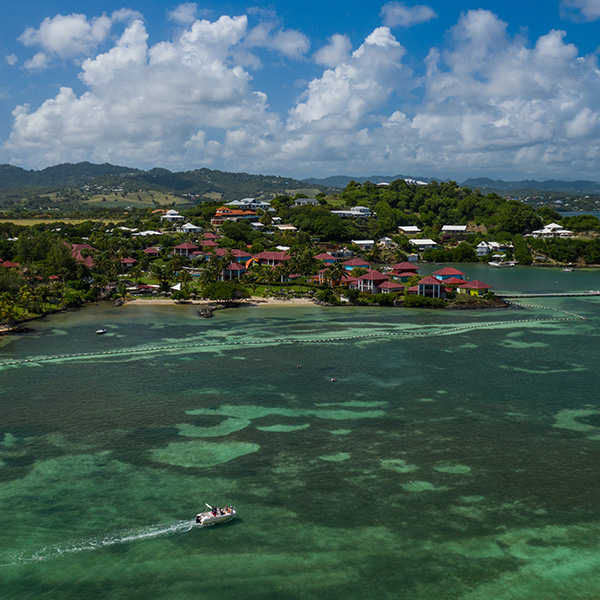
[288, 247]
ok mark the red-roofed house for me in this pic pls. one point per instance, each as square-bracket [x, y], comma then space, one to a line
[225, 213]
[390, 287]
[370, 282]
[207, 244]
[406, 267]
[209, 235]
[404, 271]
[321, 278]
[128, 262]
[151, 252]
[431, 287]
[185, 249]
[448, 272]
[475, 288]
[76, 253]
[272, 259]
[9, 264]
[233, 271]
[453, 281]
[326, 258]
[240, 255]
[356, 262]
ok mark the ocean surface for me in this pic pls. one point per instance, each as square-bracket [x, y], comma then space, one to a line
[455, 454]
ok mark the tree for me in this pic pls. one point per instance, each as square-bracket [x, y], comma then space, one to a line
[334, 273]
[464, 253]
[163, 275]
[9, 312]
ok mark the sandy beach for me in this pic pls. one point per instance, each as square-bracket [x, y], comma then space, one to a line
[252, 301]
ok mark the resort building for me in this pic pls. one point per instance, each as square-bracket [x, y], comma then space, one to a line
[474, 288]
[447, 273]
[326, 258]
[431, 287]
[272, 259]
[185, 249]
[356, 262]
[370, 282]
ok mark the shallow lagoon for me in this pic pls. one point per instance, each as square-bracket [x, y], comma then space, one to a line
[455, 455]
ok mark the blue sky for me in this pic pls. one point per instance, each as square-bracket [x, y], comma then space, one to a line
[493, 88]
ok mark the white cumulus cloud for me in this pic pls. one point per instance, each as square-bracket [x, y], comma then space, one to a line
[184, 13]
[149, 104]
[585, 10]
[398, 14]
[484, 102]
[68, 36]
[336, 51]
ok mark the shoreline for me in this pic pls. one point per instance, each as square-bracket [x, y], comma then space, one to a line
[252, 301]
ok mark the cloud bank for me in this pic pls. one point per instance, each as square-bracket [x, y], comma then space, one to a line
[484, 102]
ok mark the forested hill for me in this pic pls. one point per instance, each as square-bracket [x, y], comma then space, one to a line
[65, 174]
[229, 186]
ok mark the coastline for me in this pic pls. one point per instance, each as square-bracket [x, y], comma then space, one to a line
[252, 301]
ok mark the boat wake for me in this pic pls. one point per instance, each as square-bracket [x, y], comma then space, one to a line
[95, 543]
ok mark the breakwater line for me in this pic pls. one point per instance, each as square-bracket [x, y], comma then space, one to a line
[226, 344]
[95, 543]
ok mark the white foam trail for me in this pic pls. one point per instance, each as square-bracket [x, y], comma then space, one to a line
[96, 543]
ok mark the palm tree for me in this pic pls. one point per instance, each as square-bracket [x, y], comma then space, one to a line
[9, 312]
[304, 262]
[162, 274]
[25, 297]
[335, 273]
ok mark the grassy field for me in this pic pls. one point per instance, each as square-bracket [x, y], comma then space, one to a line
[136, 200]
[28, 222]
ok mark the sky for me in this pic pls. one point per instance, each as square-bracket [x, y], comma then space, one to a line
[447, 89]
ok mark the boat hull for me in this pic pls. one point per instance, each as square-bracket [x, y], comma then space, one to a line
[208, 518]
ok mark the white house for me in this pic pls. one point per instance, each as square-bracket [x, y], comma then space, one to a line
[424, 243]
[356, 212]
[172, 216]
[305, 202]
[409, 229]
[364, 244]
[551, 231]
[454, 229]
[250, 204]
[190, 228]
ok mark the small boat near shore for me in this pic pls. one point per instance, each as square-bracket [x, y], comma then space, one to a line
[215, 515]
[100, 331]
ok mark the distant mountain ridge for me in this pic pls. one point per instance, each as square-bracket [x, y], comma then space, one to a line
[230, 186]
[552, 185]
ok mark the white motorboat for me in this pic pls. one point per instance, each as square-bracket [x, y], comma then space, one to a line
[215, 515]
[100, 331]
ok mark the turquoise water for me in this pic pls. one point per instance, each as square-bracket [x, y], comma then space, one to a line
[454, 456]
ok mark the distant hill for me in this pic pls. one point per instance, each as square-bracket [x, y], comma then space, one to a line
[227, 186]
[552, 185]
[65, 174]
